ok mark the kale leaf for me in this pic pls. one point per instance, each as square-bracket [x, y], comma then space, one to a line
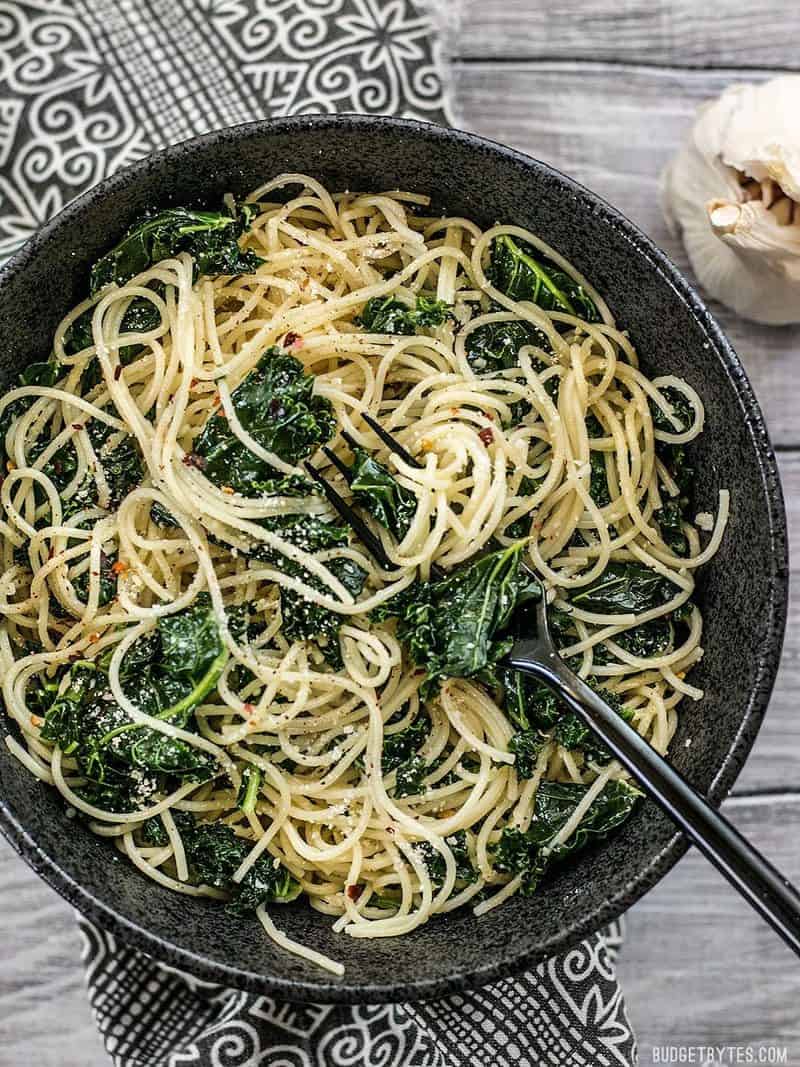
[527, 746]
[307, 532]
[495, 346]
[670, 522]
[214, 853]
[598, 484]
[34, 374]
[522, 852]
[165, 674]
[650, 639]
[123, 469]
[108, 582]
[384, 314]
[375, 488]
[306, 621]
[625, 588]
[434, 860]
[453, 627]
[409, 776]
[522, 274]
[140, 316]
[400, 753]
[540, 715]
[674, 456]
[403, 744]
[276, 405]
[210, 237]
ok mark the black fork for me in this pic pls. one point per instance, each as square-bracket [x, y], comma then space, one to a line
[761, 884]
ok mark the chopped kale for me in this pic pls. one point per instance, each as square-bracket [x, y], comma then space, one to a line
[402, 745]
[523, 274]
[307, 532]
[527, 746]
[384, 314]
[523, 852]
[34, 374]
[306, 621]
[538, 713]
[625, 588]
[409, 776]
[108, 582]
[598, 484]
[141, 316]
[670, 522]
[277, 407]
[650, 639]
[454, 627]
[381, 494]
[434, 860]
[165, 674]
[214, 853]
[210, 237]
[123, 469]
[495, 346]
[674, 456]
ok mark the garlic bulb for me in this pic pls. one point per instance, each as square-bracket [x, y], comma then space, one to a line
[733, 192]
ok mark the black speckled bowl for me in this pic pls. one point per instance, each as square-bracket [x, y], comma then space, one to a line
[673, 333]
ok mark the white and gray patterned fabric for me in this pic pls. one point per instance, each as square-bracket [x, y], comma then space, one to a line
[568, 1012]
[87, 86]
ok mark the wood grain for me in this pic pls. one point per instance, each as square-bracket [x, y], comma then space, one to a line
[698, 967]
[613, 129]
[681, 33]
[44, 1018]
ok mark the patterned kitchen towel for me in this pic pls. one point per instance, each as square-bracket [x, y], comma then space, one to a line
[87, 86]
[568, 1012]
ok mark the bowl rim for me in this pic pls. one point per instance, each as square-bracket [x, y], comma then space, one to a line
[330, 992]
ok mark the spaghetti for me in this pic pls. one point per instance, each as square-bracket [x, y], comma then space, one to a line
[382, 797]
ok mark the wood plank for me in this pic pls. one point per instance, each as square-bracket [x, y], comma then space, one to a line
[670, 32]
[698, 967]
[613, 128]
[45, 1017]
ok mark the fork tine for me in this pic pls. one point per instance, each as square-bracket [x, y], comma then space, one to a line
[389, 441]
[339, 464]
[357, 524]
[352, 443]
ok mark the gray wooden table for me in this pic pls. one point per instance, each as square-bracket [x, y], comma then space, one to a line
[603, 90]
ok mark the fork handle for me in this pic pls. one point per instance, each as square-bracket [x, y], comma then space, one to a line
[764, 887]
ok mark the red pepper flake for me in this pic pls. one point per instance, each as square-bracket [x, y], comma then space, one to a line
[36, 721]
[194, 383]
[249, 708]
[117, 372]
[77, 426]
[94, 638]
[487, 435]
[293, 340]
[191, 459]
[119, 567]
[354, 891]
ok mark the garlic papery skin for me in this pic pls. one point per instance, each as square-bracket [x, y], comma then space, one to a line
[733, 193]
